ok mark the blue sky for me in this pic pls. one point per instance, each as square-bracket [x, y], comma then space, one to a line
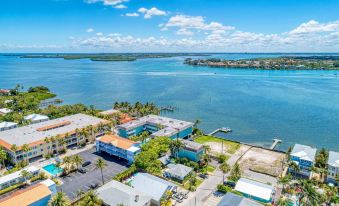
[169, 25]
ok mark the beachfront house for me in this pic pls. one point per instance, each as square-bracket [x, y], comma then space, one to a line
[115, 193]
[231, 199]
[7, 125]
[255, 190]
[4, 111]
[118, 146]
[35, 195]
[36, 118]
[36, 136]
[333, 167]
[304, 157]
[16, 177]
[177, 172]
[158, 126]
[191, 150]
[152, 186]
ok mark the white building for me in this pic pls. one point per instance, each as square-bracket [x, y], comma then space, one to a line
[16, 177]
[333, 166]
[304, 157]
[255, 190]
[36, 118]
[7, 125]
[4, 111]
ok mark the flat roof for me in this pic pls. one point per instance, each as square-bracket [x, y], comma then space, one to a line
[36, 117]
[170, 125]
[304, 152]
[7, 124]
[114, 193]
[333, 158]
[231, 199]
[26, 196]
[254, 188]
[30, 134]
[190, 145]
[17, 174]
[117, 141]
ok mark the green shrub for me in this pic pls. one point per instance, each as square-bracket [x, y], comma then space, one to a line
[223, 188]
[11, 188]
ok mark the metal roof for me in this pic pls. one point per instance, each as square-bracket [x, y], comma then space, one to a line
[231, 199]
[254, 188]
[304, 152]
[333, 159]
[178, 170]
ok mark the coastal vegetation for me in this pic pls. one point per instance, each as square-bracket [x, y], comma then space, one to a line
[276, 63]
[137, 109]
[229, 146]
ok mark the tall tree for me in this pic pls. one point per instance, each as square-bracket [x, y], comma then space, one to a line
[60, 199]
[225, 168]
[90, 199]
[175, 147]
[77, 160]
[26, 149]
[101, 164]
[284, 180]
[236, 172]
[3, 157]
[14, 148]
[26, 175]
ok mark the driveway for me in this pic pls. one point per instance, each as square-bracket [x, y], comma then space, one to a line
[77, 181]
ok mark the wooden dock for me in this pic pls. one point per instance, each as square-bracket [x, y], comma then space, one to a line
[275, 143]
[168, 108]
[222, 129]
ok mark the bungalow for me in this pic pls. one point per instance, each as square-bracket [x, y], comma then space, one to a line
[36, 118]
[35, 195]
[255, 190]
[231, 199]
[152, 186]
[304, 157]
[115, 193]
[4, 111]
[118, 146]
[7, 125]
[333, 167]
[191, 150]
[177, 171]
[16, 177]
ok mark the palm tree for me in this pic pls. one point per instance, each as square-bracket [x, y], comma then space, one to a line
[284, 180]
[67, 161]
[26, 149]
[206, 159]
[282, 201]
[236, 171]
[294, 167]
[90, 199]
[101, 164]
[26, 175]
[80, 193]
[60, 199]
[77, 160]
[309, 195]
[58, 138]
[3, 157]
[175, 147]
[47, 141]
[14, 148]
[225, 168]
[52, 139]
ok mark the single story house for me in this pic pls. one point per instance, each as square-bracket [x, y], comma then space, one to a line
[7, 125]
[177, 171]
[36, 118]
[255, 190]
[16, 177]
[231, 199]
[114, 193]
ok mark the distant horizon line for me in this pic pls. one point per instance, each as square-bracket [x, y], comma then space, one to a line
[2, 53]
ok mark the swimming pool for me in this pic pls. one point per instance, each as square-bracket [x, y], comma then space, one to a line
[53, 169]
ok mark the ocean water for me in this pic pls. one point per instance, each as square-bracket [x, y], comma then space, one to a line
[295, 106]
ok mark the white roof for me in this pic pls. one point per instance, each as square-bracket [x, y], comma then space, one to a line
[133, 149]
[36, 117]
[30, 133]
[17, 174]
[333, 159]
[304, 152]
[5, 110]
[7, 124]
[48, 182]
[179, 170]
[253, 188]
[110, 111]
[114, 193]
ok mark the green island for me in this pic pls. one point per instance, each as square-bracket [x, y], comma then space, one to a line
[109, 57]
[276, 63]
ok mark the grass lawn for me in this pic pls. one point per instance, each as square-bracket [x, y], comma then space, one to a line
[210, 168]
[187, 184]
[231, 146]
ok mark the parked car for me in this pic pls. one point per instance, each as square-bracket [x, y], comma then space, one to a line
[230, 184]
[203, 176]
[86, 163]
[82, 170]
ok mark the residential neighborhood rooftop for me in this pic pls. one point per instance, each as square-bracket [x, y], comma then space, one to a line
[190, 145]
[231, 199]
[36, 117]
[117, 141]
[333, 159]
[114, 193]
[178, 170]
[35, 134]
[254, 188]
[14, 175]
[7, 124]
[304, 152]
[109, 112]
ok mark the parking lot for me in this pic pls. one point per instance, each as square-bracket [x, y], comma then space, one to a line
[77, 181]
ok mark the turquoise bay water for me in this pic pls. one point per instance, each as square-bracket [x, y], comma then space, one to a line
[295, 106]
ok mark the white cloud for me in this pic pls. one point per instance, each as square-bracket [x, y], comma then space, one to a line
[132, 14]
[148, 13]
[89, 30]
[313, 26]
[99, 34]
[185, 32]
[113, 3]
[120, 6]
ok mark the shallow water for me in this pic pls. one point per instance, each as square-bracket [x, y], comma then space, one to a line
[295, 106]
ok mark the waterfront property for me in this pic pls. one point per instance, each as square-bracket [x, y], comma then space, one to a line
[231, 199]
[34, 135]
[16, 177]
[4, 111]
[158, 126]
[35, 195]
[115, 193]
[118, 146]
[7, 125]
[36, 118]
[304, 157]
[177, 171]
[333, 167]
[191, 150]
[255, 190]
[152, 186]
